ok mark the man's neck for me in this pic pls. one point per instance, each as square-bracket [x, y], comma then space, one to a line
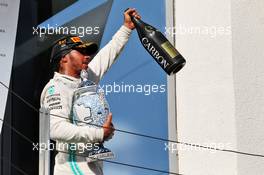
[70, 73]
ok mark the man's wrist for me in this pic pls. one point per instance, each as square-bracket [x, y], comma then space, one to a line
[128, 26]
[126, 29]
[100, 134]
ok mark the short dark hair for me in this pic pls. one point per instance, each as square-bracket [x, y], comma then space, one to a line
[55, 65]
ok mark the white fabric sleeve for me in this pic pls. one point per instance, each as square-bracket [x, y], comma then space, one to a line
[108, 54]
[61, 128]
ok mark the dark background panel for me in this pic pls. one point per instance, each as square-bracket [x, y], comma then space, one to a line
[15, 150]
[30, 73]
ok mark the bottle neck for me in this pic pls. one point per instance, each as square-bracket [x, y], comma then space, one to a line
[137, 22]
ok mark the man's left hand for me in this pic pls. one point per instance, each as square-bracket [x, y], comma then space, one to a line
[127, 19]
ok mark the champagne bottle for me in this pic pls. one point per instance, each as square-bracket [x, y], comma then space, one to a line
[158, 46]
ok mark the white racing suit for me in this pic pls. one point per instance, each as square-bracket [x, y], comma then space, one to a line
[57, 97]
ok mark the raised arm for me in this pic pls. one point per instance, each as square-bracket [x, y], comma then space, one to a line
[108, 54]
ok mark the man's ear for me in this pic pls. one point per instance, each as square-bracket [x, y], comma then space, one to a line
[64, 59]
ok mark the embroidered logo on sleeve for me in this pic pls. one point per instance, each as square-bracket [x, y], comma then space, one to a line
[51, 90]
[53, 99]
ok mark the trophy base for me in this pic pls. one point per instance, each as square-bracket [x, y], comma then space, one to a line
[101, 154]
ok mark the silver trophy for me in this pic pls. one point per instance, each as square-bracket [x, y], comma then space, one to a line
[90, 108]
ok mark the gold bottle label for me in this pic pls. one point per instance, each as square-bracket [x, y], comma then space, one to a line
[169, 48]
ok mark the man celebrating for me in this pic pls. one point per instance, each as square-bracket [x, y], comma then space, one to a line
[69, 56]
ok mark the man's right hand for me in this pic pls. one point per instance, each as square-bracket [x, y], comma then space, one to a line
[108, 127]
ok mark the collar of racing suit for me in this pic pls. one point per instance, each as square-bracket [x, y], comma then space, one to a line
[67, 80]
